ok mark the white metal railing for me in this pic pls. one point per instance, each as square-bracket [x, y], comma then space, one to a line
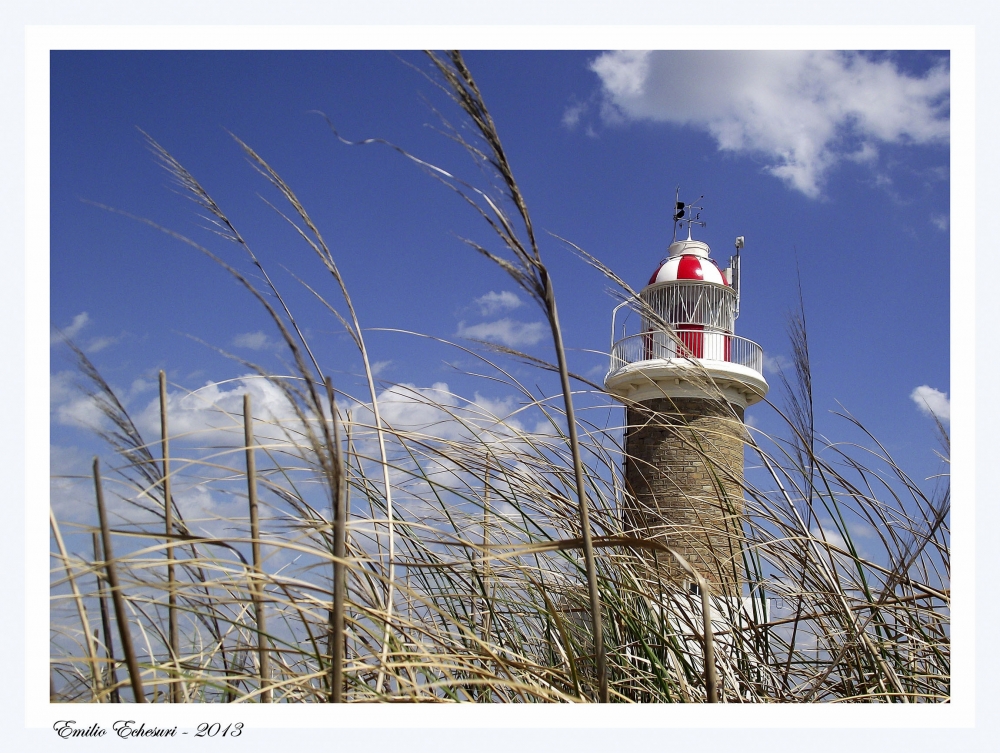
[688, 343]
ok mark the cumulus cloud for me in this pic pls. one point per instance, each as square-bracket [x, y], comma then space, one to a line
[444, 432]
[408, 407]
[932, 402]
[776, 364]
[866, 153]
[141, 385]
[253, 341]
[71, 496]
[209, 420]
[69, 405]
[100, 343]
[210, 513]
[214, 412]
[81, 412]
[72, 332]
[437, 412]
[505, 331]
[79, 322]
[571, 117]
[495, 303]
[802, 112]
[829, 535]
[70, 483]
[210, 414]
[379, 366]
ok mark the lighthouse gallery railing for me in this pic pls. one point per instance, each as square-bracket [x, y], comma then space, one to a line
[713, 346]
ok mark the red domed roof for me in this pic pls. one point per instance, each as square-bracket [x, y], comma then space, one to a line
[688, 267]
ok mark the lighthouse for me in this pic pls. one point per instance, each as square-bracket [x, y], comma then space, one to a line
[686, 380]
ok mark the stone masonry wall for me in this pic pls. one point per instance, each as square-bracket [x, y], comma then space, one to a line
[684, 470]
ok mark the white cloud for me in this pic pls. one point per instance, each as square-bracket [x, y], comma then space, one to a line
[141, 385]
[429, 420]
[79, 322]
[253, 341]
[940, 221]
[210, 414]
[495, 303]
[81, 412]
[100, 343]
[501, 424]
[932, 402]
[207, 424]
[94, 345]
[437, 412]
[379, 366]
[830, 536]
[801, 111]
[571, 117]
[826, 531]
[72, 496]
[71, 490]
[62, 387]
[69, 405]
[408, 407]
[776, 364]
[214, 413]
[209, 513]
[504, 331]
[861, 530]
[866, 153]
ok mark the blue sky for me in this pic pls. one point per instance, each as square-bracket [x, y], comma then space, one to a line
[834, 164]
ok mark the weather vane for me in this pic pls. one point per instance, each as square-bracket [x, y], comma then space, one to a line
[688, 213]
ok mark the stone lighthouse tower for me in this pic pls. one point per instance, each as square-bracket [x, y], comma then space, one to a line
[686, 379]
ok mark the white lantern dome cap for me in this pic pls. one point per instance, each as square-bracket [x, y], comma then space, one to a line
[689, 247]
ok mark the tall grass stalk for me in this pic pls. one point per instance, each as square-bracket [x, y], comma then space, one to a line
[109, 641]
[338, 486]
[168, 514]
[121, 617]
[263, 660]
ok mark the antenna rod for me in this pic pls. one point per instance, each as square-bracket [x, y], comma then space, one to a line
[692, 218]
[678, 211]
[734, 263]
